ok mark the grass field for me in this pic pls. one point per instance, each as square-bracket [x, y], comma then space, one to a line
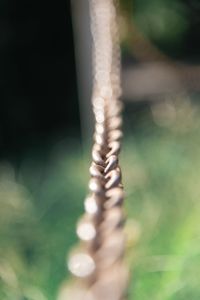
[41, 202]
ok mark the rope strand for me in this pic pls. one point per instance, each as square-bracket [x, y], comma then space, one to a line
[100, 262]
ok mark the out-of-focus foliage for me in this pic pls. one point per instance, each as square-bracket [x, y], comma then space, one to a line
[168, 24]
[161, 171]
[39, 207]
[162, 21]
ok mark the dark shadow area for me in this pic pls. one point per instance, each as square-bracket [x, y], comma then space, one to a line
[37, 75]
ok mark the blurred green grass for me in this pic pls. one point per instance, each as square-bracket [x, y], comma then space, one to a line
[41, 202]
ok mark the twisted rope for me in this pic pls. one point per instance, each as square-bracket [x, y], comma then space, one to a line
[99, 263]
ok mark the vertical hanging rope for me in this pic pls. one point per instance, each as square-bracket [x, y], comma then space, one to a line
[99, 263]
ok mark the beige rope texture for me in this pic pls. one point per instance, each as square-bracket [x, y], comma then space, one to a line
[98, 264]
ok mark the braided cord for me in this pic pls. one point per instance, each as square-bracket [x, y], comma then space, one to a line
[99, 263]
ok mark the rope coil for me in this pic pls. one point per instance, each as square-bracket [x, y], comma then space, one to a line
[100, 262]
